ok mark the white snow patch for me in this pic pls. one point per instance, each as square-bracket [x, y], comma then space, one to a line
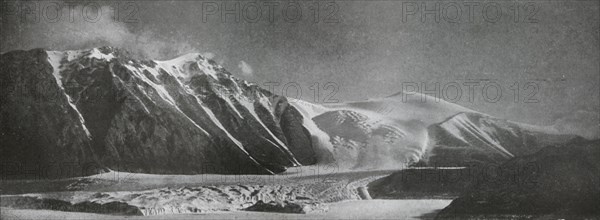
[461, 121]
[182, 65]
[265, 102]
[232, 106]
[160, 89]
[54, 58]
[250, 107]
[73, 54]
[130, 92]
[95, 53]
[214, 119]
[163, 93]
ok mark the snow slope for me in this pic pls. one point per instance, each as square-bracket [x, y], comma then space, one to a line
[381, 133]
[403, 129]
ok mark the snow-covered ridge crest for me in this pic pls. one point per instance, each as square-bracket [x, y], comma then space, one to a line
[96, 53]
[191, 64]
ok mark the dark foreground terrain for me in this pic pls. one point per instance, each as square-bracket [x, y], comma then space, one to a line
[554, 182]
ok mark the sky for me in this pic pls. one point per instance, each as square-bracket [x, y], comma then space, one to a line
[543, 56]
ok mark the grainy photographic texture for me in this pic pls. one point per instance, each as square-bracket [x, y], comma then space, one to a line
[299, 109]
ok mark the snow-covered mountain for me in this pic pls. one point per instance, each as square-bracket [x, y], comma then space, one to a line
[476, 138]
[186, 115]
[407, 129]
[190, 115]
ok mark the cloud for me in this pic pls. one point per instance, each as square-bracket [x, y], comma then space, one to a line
[245, 68]
[101, 30]
[583, 123]
[209, 55]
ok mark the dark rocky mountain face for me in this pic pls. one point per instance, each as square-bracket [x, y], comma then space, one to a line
[101, 109]
[38, 124]
[556, 182]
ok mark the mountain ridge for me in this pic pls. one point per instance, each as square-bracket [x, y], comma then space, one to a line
[190, 115]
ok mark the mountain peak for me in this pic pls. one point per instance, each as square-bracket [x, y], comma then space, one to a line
[191, 64]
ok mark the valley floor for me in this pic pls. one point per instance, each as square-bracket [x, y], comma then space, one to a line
[362, 209]
[326, 191]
